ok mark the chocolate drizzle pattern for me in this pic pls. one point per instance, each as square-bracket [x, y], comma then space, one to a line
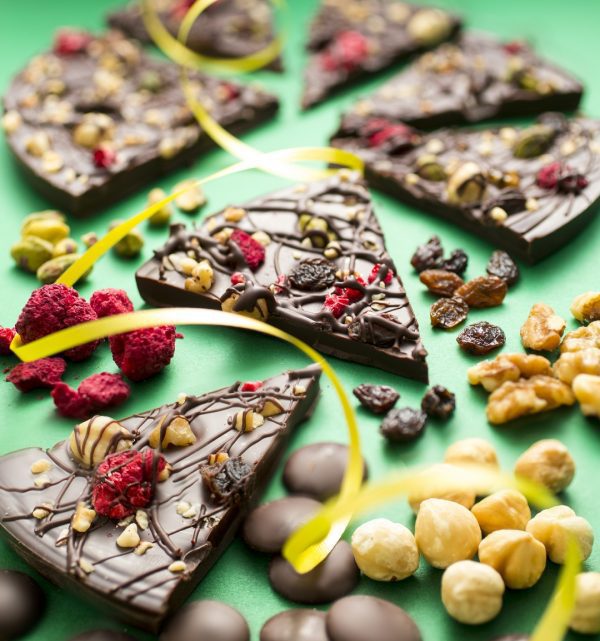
[141, 588]
[343, 210]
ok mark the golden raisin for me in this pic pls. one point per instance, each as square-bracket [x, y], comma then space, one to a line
[483, 291]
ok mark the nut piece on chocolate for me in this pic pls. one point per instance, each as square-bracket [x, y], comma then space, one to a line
[161, 517]
[95, 118]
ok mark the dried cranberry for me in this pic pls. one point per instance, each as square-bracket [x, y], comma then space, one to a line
[68, 42]
[439, 402]
[250, 386]
[448, 312]
[377, 398]
[227, 481]
[374, 275]
[336, 304]
[457, 262]
[428, 256]
[440, 282]
[483, 292]
[352, 293]
[558, 176]
[503, 266]
[347, 51]
[313, 274]
[104, 157]
[403, 425]
[481, 338]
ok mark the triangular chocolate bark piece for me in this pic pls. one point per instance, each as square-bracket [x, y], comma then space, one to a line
[169, 488]
[309, 259]
[96, 118]
[528, 190]
[352, 39]
[472, 79]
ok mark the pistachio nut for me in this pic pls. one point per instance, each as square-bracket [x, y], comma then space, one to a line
[429, 168]
[467, 184]
[52, 269]
[89, 239]
[163, 215]
[429, 26]
[150, 81]
[534, 141]
[31, 252]
[130, 245]
[65, 246]
[47, 225]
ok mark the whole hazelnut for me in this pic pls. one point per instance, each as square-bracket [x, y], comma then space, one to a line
[446, 532]
[385, 551]
[549, 463]
[502, 510]
[472, 451]
[586, 615]
[554, 527]
[463, 495]
[472, 592]
[93, 439]
[517, 555]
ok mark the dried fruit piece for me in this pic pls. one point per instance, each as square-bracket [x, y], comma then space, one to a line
[403, 425]
[428, 256]
[252, 251]
[336, 304]
[104, 390]
[448, 312]
[227, 481]
[503, 266]
[70, 403]
[313, 274]
[571, 364]
[375, 276]
[441, 282]
[6, 337]
[582, 338]
[45, 372]
[110, 301]
[439, 402]
[483, 291]
[586, 307]
[543, 329]
[587, 392]
[561, 177]
[508, 367]
[481, 338]
[377, 398]
[143, 352]
[457, 262]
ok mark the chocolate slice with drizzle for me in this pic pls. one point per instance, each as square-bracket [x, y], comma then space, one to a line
[193, 515]
[324, 274]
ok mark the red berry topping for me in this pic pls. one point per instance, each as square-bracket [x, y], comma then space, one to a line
[70, 403]
[229, 91]
[351, 293]
[180, 8]
[347, 52]
[336, 304]
[45, 372]
[379, 130]
[514, 47]
[51, 308]
[68, 41]
[94, 394]
[555, 175]
[144, 352]
[124, 482]
[252, 250]
[104, 157]
[250, 386]
[237, 278]
[6, 337]
[373, 276]
[107, 302]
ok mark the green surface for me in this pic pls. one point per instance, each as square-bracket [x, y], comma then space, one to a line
[210, 358]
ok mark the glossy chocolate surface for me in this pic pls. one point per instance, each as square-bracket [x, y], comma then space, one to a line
[22, 604]
[146, 125]
[538, 220]
[378, 329]
[140, 588]
[295, 625]
[206, 621]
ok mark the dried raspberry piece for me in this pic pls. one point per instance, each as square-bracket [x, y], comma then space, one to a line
[51, 308]
[6, 336]
[347, 51]
[374, 275]
[180, 8]
[104, 390]
[555, 175]
[124, 482]
[237, 278]
[45, 372]
[229, 91]
[351, 293]
[401, 136]
[104, 157]
[250, 386]
[252, 250]
[336, 304]
[68, 41]
[514, 47]
[110, 301]
[144, 352]
[70, 403]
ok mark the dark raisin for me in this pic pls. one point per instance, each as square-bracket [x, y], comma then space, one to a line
[377, 398]
[481, 338]
[227, 481]
[440, 281]
[483, 291]
[313, 274]
[457, 262]
[439, 402]
[503, 266]
[403, 425]
[428, 256]
[448, 312]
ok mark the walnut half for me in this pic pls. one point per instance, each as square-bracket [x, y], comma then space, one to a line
[543, 328]
[582, 338]
[571, 364]
[507, 367]
[587, 393]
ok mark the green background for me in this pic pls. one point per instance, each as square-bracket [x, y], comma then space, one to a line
[209, 358]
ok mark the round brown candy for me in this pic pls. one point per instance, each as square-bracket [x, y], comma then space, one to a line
[268, 527]
[317, 470]
[103, 635]
[207, 621]
[333, 578]
[512, 637]
[365, 618]
[22, 604]
[295, 625]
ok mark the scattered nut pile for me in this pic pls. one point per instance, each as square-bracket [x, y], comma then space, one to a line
[451, 528]
[524, 384]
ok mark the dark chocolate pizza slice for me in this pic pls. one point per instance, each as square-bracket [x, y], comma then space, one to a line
[309, 259]
[477, 77]
[96, 118]
[131, 514]
[352, 39]
[226, 29]
[527, 190]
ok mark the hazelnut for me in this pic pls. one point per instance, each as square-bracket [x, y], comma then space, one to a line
[270, 407]
[586, 307]
[582, 338]
[472, 451]
[543, 329]
[429, 26]
[177, 566]
[129, 537]
[491, 374]
[192, 198]
[37, 144]
[385, 551]
[472, 592]
[463, 495]
[262, 237]
[517, 555]
[93, 439]
[178, 433]
[201, 279]
[234, 214]
[466, 185]
[11, 121]
[260, 311]
[586, 615]
[83, 518]
[502, 510]
[547, 462]
[247, 420]
[571, 364]
[40, 466]
[554, 527]
[446, 532]
[587, 392]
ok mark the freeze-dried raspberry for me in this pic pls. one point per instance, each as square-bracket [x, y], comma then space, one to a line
[237, 278]
[124, 482]
[378, 131]
[347, 51]
[69, 41]
[144, 352]
[351, 293]
[46, 372]
[70, 403]
[107, 302]
[104, 157]
[374, 275]
[6, 336]
[250, 386]
[252, 250]
[336, 304]
[94, 395]
[51, 308]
